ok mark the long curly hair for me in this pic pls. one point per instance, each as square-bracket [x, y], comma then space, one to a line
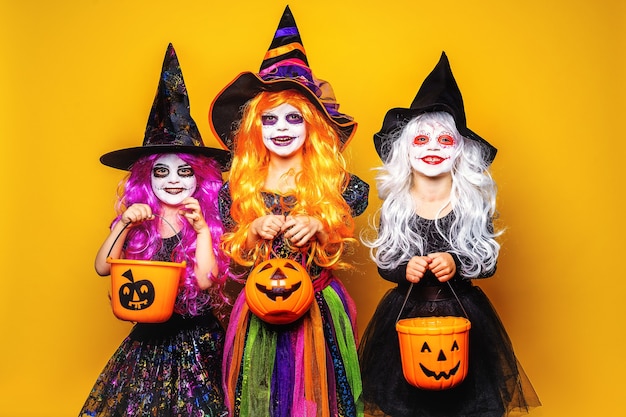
[144, 240]
[319, 189]
[473, 199]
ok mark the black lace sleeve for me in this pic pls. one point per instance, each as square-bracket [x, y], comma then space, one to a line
[356, 195]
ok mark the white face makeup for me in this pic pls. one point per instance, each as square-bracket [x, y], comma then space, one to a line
[284, 130]
[173, 179]
[432, 150]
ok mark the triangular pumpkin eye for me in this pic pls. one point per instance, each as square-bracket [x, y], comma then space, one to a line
[290, 266]
[425, 347]
[455, 346]
[266, 266]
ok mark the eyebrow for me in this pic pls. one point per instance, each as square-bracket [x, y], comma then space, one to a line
[162, 165]
[271, 113]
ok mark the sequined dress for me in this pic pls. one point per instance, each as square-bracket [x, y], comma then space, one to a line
[306, 368]
[163, 369]
[495, 384]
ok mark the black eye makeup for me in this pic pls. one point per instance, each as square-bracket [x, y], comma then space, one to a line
[160, 171]
[185, 171]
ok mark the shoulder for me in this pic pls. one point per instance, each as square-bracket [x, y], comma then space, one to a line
[356, 194]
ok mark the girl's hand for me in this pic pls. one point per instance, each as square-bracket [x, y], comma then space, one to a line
[300, 229]
[267, 227]
[191, 211]
[416, 268]
[137, 213]
[442, 265]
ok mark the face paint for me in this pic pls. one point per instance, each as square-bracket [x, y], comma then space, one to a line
[284, 130]
[173, 179]
[432, 150]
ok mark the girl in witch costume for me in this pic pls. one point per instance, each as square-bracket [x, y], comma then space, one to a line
[289, 196]
[168, 212]
[435, 235]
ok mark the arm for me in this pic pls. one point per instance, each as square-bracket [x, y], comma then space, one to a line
[356, 195]
[396, 275]
[265, 227]
[206, 264]
[134, 214]
[301, 229]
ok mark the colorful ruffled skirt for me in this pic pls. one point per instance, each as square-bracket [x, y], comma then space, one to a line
[495, 383]
[306, 368]
[163, 369]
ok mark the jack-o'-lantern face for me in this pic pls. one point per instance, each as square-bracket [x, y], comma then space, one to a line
[279, 291]
[136, 295]
[441, 367]
[434, 351]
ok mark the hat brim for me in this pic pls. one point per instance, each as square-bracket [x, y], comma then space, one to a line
[227, 108]
[125, 158]
[396, 118]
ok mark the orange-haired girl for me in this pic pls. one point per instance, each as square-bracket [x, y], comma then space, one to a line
[289, 195]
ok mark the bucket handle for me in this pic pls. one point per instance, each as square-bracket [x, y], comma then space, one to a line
[409, 293]
[180, 242]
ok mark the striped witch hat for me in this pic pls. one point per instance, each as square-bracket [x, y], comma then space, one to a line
[284, 67]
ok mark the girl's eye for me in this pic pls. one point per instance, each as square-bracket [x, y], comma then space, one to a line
[160, 172]
[446, 140]
[294, 118]
[186, 171]
[420, 140]
[268, 120]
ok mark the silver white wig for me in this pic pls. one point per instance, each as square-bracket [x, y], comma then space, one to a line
[473, 199]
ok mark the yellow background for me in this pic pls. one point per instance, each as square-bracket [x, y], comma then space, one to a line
[544, 81]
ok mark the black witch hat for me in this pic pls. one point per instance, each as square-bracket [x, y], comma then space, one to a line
[439, 92]
[284, 67]
[170, 127]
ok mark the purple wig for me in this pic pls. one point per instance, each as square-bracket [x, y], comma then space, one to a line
[144, 241]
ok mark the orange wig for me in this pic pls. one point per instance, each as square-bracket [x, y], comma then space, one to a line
[319, 189]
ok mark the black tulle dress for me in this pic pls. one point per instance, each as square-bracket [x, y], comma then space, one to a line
[495, 384]
[163, 369]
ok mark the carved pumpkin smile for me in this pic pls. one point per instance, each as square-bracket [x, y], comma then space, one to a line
[279, 291]
[441, 374]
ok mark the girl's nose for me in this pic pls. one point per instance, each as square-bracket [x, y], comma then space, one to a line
[282, 124]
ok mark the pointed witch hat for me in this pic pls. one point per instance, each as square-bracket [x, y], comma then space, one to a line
[170, 127]
[439, 92]
[284, 67]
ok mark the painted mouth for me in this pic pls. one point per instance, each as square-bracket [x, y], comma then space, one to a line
[433, 160]
[174, 191]
[283, 140]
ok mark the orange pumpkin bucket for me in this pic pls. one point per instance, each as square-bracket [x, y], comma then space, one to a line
[434, 351]
[279, 291]
[144, 291]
